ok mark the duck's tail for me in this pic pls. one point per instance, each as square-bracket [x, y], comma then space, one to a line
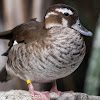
[6, 35]
[3, 75]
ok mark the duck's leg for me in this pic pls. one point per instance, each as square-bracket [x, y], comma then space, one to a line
[54, 89]
[36, 95]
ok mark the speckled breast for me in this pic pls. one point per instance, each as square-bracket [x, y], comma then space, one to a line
[54, 57]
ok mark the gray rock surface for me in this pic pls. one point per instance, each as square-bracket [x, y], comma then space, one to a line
[25, 95]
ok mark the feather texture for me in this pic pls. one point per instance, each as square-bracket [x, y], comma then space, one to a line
[47, 59]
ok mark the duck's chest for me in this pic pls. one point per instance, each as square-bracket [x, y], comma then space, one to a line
[67, 51]
[59, 57]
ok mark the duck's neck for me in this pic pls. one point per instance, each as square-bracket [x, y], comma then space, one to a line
[52, 21]
[55, 21]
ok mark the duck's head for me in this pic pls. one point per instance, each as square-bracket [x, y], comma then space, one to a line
[66, 16]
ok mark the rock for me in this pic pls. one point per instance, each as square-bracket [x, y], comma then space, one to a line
[25, 95]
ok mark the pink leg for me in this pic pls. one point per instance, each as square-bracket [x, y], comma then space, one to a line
[54, 89]
[36, 95]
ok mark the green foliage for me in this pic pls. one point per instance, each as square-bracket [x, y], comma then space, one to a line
[93, 73]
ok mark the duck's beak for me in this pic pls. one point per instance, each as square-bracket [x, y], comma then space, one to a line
[77, 26]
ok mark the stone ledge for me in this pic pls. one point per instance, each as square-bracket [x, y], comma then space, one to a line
[25, 95]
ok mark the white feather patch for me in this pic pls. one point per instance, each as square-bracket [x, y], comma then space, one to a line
[15, 42]
[64, 22]
[64, 10]
[52, 25]
[50, 13]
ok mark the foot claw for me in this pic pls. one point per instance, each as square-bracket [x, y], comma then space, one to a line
[36, 95]
[41, 95]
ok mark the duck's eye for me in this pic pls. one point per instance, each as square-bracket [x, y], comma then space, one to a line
[66, 14]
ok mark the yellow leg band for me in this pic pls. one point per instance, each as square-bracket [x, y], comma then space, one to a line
[28, 81]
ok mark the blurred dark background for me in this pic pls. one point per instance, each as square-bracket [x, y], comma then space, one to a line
[15, 12]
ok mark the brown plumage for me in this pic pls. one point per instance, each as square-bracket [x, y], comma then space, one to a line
[47, 51]
[24, 33]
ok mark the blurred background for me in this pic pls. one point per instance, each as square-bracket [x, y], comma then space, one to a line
[87, 77]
